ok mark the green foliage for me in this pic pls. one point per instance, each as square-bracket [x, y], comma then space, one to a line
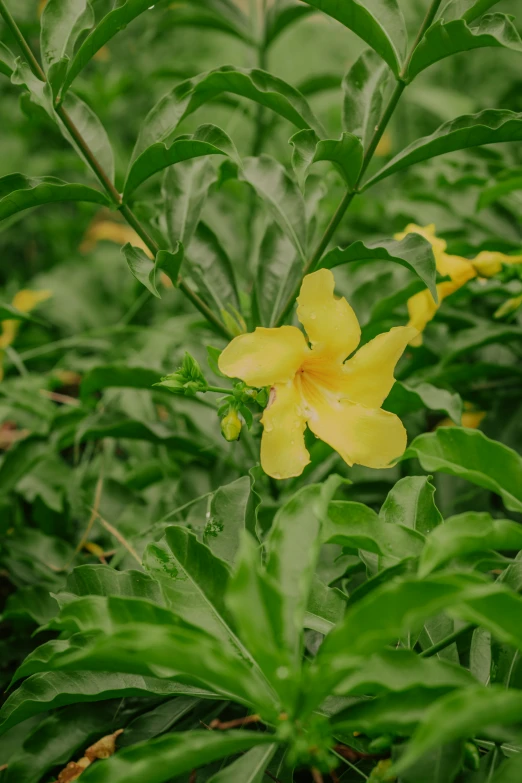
[346, 623]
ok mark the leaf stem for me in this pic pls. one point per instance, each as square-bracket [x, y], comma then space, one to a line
[219, 390]
[348, 197]
[452, 637]
[102, 176]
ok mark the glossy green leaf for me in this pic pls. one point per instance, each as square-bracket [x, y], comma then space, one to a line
[281, 196]
[18, 192]
[440, 765]
[157, 721]
[170, 262]
[473, 130]
[446, 38]
[221, 15]
[363, 90]
[48, 690]
[92, 131]
[460, 715]
[279, 270]
[393, 713]
[413, 252]
[349, 526]
[406, 398]
[249, 768]
[468, 340]
[63, 22]
[471, 455]
[510, 182]
[119, 376]
[280, 15]
[411, 503]
[207, 140]
[109, 25]
[171, 755]
[346, 154]
[209, 265]
[480, 658]
[7, 60]
[379, 23]
[467, 9]
[472, 531]
[32, 603]
[142, 267]
[103, 580]
[162, 121]
[231, 512]
[325, 607]
[185, 190]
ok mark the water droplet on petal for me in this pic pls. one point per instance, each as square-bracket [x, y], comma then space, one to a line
[313, 316]
[268, 427]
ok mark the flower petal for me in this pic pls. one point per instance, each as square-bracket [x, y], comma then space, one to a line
[422, 307]
[459, 269]
[366, 436]
[330, 322]
[428, 232]
[490, 262]
[283, 451]
[368, 376]
[266, 356]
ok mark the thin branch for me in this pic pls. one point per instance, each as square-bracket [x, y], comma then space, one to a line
[316, 775]
[94, 511]
[64, 399]
[452, 637]
[118, 536]
[234, 724]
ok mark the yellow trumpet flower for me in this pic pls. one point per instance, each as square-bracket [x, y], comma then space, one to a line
[422, 307]
[313, 385]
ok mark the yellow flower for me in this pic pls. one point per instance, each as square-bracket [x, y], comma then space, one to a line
[339, 401]
[490, 262]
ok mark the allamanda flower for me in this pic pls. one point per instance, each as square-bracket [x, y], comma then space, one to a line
[313, 385]
[422, 306]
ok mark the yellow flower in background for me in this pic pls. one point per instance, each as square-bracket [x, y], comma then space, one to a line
[25, 301]
[422, 306]
[339, 400]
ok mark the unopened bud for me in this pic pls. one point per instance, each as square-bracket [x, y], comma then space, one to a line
[231, 426]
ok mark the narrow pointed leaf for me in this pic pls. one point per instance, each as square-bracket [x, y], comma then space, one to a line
[363, 89]
[207, 140]
[112, 23]
[160, 759]
[185, 189]
[281, 14]
[346, 154]
[259, 86]
[63, 22]
[281, 195]
[413, 252]
[472, 531]
[446, 38]
[211, 268]
[279, 270]
[472, 456]
[472, 130]
[18, 192]
[249, 768]
[92, 131]
[379, 23]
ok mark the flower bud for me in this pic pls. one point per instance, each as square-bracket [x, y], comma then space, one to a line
[231, 426]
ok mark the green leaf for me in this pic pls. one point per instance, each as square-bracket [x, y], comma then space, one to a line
[185, 190]
[209, 265]
[263, 88]
[170, 262]
[117, 376]
[460, 715]
[441, 765]
[472, 531]
[280, 15]
[411, 504]
[92, 131]
[62, 24]
[216, 14]
[405, 398]
[7, 60]
[110, 24]
[471, 455]
[480, 658]
[468, 340]
[160, 759]
[9, 312]
[31, 603]
[414, 252]
[509, 182]
[363, 89]
[104, 580]
[509, 771]
[249, 768]
[379, 23]
[467, 9]
[207, 140]
[48, 690]
[348, 525]
[142, 267]
[281, 195]
[231, 512]
[157, 721]
[472, 130]
[325, 607]
[279, 269]
[20, 459]
[346, 154]
[18, 192]
[446, 38]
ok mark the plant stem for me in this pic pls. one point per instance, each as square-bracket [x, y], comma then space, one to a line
[219, 390]
[102, 176]
[261, 64]
[348, 197]
[452, 637]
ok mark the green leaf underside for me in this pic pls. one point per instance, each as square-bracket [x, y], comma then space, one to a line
[18, 192]
[473, 130]
[414, 252]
